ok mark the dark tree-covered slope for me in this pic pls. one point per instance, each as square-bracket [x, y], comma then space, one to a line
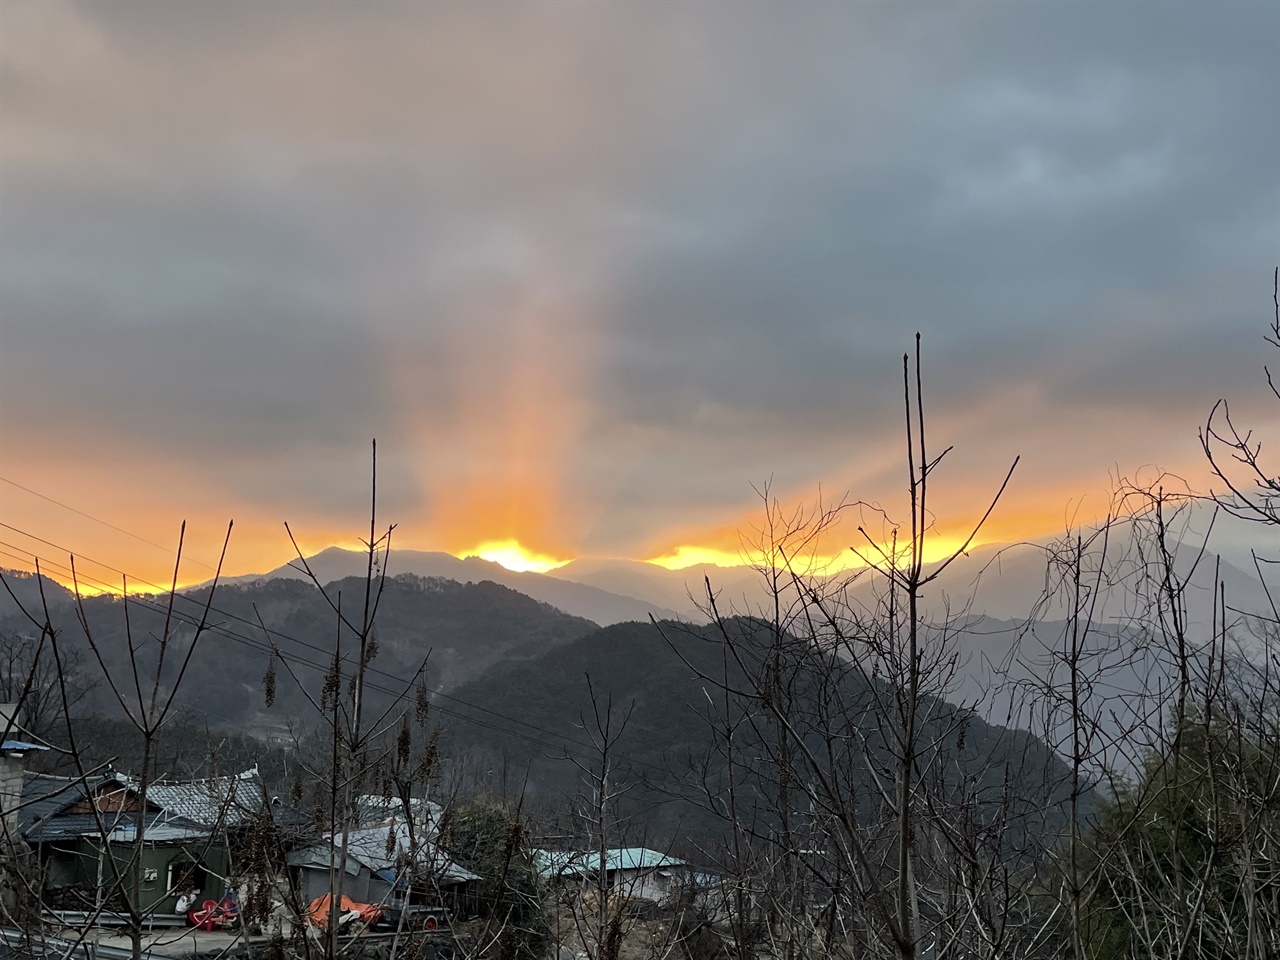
[658, 674]
[463, 628]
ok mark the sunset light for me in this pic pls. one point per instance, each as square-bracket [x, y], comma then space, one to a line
[510, 554]
[688, 556]
[937, 548]
[531, 395]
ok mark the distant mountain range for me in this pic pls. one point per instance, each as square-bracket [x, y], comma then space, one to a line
[509, 650]
[1001, 581]
[461, 629]
[581, 598]
[472, 614]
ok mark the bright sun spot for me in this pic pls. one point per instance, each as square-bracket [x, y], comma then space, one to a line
[510, 554]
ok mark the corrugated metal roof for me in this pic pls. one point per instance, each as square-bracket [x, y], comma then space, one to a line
[160, 830]
[566, 863]
[20, 746]
[367, 847]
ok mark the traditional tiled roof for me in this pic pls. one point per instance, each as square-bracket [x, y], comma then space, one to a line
[229, 801]
[44, 795]
[179, 807]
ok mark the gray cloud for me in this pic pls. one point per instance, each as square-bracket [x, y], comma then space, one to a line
[672, 249]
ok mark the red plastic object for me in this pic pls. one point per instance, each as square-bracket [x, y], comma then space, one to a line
[212, 914]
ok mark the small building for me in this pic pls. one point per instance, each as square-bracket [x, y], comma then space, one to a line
[13, 759]
[373, 809]
[83, 831]
[14, 750]
[379, 868]
[15, 746]
[636, 873]
[84, 834]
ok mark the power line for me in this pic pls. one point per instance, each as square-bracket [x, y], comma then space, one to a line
[324, 666]
[88, 516]
[252, 624]
[297, 660]
[561, 744]
[258, 626]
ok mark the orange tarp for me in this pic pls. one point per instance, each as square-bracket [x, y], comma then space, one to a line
[319, 910]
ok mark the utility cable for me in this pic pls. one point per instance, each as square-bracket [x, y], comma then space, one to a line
[88, 516]
[560, 745]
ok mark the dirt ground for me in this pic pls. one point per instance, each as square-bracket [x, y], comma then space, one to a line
[642, 940]
[171, 942]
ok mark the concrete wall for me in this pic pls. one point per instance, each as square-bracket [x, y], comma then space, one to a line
[11, 768]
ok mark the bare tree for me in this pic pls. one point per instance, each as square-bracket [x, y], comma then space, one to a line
[147, 695]
[369, 747]
[842, 701]
[29, 676]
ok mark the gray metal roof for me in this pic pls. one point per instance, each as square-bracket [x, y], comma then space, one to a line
[119, 827]
[564, 863]
[367, 847]
[20, 746]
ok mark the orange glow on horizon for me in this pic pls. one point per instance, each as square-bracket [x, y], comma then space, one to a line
[936, 548]
[687, 555]
[513, 556]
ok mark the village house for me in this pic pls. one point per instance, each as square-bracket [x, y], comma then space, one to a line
[636, 873]
[83, 832]
[380, 870]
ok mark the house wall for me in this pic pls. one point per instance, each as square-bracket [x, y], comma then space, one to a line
[314, 883]
[73, 863]
[154, 893]
[655, 885]
[362, 887]
[10, 794]
[108, 799]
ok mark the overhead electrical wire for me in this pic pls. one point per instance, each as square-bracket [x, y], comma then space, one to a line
[323, 666]
[106, 523]
[561, 744]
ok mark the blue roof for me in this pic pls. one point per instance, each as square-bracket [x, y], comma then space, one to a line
[565, 863]
[20, 746]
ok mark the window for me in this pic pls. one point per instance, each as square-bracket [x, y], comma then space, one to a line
[186, 874]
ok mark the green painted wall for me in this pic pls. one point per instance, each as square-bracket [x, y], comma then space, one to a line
[77, 864]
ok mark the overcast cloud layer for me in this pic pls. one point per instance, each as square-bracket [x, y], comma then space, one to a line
[588, 271]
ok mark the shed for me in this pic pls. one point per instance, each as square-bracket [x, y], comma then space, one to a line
[635, 872]
[378, 867]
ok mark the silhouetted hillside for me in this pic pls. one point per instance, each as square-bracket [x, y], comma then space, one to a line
[463, 628]
[594, 602]
[30, 591]
[669, 732]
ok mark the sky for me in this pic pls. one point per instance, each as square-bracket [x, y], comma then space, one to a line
[596, 274]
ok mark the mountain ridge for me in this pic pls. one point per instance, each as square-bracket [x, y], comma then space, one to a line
[580, 599]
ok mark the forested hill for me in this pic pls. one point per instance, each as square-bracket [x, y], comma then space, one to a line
[664, 679]
[463, 628]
